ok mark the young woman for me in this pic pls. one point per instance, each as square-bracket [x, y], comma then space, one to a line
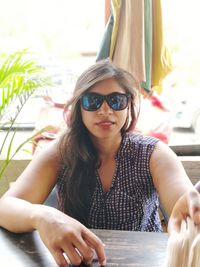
[106, 175]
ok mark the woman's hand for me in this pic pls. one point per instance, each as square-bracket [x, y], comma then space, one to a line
[186, 205]
[64, 235]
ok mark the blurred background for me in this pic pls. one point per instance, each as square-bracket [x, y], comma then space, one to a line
[65, 36]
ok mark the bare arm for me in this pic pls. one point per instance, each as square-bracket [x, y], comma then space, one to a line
[32, 187]
[169, 176]
[21, 210]
[177, 194]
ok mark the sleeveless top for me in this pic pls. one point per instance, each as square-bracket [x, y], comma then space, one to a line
[132, 201]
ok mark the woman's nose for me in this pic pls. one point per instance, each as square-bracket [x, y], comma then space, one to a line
[105, 108]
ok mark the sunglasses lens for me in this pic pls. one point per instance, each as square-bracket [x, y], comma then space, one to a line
[91, 102]
[118, 101]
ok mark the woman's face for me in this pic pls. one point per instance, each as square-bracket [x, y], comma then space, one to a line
[105, 122]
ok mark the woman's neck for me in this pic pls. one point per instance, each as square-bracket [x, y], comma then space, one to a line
[108, 148]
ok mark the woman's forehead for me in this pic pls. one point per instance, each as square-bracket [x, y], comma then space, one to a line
[106, 87]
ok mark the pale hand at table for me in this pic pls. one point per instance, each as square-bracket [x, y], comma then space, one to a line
[63, 234]
[187, 205]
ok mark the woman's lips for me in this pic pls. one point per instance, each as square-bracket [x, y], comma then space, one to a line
[105, 124]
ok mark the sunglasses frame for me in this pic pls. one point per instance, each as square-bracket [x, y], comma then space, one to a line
[103, 98]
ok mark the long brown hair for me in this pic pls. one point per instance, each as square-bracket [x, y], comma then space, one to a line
[78, 153]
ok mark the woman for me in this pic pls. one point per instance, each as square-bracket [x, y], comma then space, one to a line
[107, 176]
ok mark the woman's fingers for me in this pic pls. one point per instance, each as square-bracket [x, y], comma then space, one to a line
[72, 253]
[187, 205]
[66, 254]
[174, 224]
[86, 251]
[78, 248]
[94, 242]
[193, 199]
[63, 235]
[59, 257]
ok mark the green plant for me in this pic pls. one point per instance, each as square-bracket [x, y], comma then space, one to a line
[20, 77]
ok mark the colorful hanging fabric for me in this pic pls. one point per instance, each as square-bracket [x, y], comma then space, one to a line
[134, 40]
[115, 7]
[129, 47]
[161, 61]
[104, 49]
[146, 85]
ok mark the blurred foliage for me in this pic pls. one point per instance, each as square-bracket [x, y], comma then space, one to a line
[20, 77]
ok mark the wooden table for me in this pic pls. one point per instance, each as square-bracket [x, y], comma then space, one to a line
[123, 248]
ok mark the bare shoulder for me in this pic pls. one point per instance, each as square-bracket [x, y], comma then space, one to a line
[50, 154]
[162, 152]
[164, 159]
[39, 177]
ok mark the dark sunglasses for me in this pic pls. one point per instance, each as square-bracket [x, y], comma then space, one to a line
[93, 101]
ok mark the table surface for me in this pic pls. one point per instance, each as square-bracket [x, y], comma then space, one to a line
[123, 248]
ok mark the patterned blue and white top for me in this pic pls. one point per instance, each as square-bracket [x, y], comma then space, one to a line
[132, 201]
